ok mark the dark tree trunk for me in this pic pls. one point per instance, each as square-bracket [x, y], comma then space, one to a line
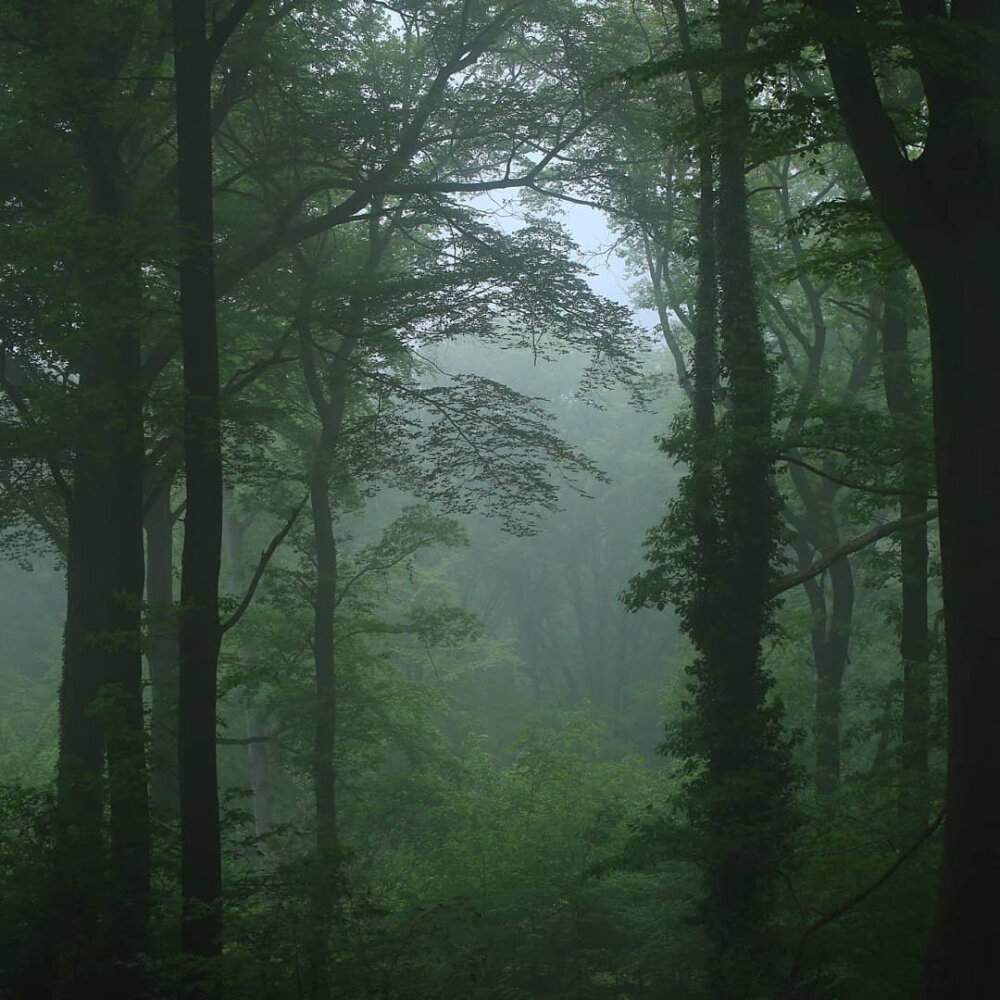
[741, 806]
[942, 207]
[830, 641]
[914, 640]
[102, 657]
[712, 558]
[161, 656]
[963, 304]
[330, 401]
[738, 880]
[705, 382]
[830, 629]
[199, 633]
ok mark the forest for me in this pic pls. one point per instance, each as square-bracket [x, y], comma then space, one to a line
[395, 607]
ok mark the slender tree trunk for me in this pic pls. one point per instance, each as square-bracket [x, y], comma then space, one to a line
[199, 634]
[914, 640]
[830, 645]
[716, 567]
[161, 656]
[330, 402]
[705, 382]
[257, 753]
[328, 392]
[259, 763]
[324, 739]
[830, 630]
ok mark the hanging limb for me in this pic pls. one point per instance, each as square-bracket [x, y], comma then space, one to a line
[848, 548]
[265, 558]
[849, 904]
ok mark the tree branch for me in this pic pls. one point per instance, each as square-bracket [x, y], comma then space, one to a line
[223, 29]
[860, 897]
[877, 490]
[265, 558]
[890, 176]
[848, 548]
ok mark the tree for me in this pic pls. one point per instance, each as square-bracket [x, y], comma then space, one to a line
[199, 630]
[938, 192]
[712, 557]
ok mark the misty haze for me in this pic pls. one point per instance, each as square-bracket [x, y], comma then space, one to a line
[497, 500]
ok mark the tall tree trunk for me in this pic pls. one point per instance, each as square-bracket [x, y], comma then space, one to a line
[705, 383]
[914, 639]
[330, 401]
[830, 641]
[161, 656]
[746, 777]
[199, 633]
[324, 738]
[942, 207]
[102, 657]
[712, 558]
[328, 392]
[963, 299]
[830, 629]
